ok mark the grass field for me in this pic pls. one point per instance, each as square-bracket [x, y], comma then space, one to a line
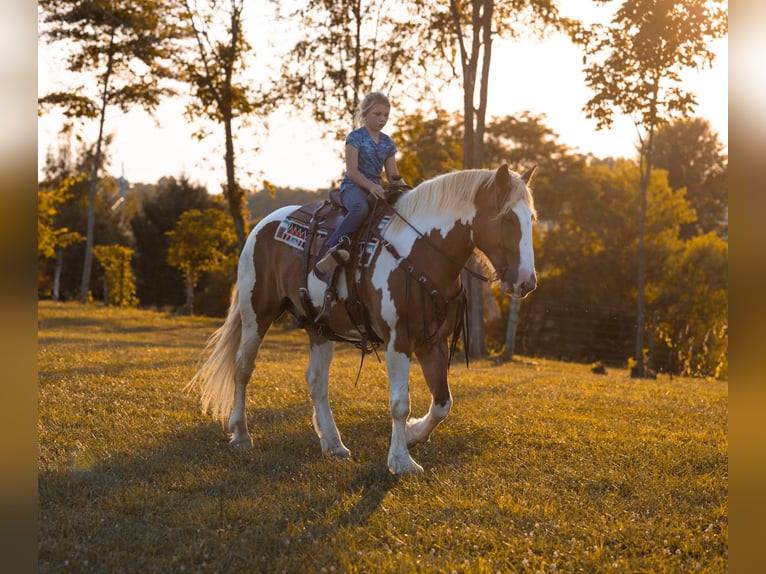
[541, 466]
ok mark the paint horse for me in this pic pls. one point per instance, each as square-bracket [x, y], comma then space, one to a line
[411, 288]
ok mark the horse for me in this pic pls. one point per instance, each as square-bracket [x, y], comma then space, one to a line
[434, 229]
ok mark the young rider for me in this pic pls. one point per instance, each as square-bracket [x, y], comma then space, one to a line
[368, 152]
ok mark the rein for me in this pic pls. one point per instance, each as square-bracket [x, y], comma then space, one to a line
[437, 248]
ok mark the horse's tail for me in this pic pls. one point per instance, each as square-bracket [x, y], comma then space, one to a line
[216, 375]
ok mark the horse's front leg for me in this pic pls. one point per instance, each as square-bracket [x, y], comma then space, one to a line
[317, 377]
[434, 363]
[399, 459]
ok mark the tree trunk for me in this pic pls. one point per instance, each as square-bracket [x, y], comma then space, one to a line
[91, 223]
[478, 345]
[56, 294]
[188, 307]
[510, 330]
[646, 171]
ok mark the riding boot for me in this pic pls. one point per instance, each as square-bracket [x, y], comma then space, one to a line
[336, 255]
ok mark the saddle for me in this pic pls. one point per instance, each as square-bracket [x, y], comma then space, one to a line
[317, 221]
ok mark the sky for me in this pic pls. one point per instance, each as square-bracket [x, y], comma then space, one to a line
[541, 76]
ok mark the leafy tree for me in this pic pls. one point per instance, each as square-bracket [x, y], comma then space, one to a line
[348, 48]
[464, 31]
[159, 283]
[633, 66]
[693, 156]
[120, 49]
[214, 69]
[428, 146]
[694, 304]
[66, 177]
[524, 140]
[119, 280]
[200, 241]
[586, 256]
[53, 240]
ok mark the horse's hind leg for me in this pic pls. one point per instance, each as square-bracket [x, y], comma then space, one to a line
[317, 377]
[248, 350]
[434, 364]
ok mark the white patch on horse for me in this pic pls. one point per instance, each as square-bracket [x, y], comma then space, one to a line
[526, 249]
[398, 366]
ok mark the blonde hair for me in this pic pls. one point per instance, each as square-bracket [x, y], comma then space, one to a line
[368, 102]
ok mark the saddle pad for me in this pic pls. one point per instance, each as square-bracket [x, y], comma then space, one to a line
[295, 234]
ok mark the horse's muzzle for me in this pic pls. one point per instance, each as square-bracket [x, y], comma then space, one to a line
[519, 286]
[524, 288]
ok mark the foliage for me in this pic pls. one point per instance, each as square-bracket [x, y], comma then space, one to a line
[346, 49]
[124, 46]
[213, 68]
[51, 239]
[121, 45]
[200, 241]
[63, 197]
[119, 280]
[159, 283]
[690, 151]
[633, 65]
[695, 316]
[428, 146]
[585, 258]
[541, 466]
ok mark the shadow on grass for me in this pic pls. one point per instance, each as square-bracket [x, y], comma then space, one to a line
[187, 499]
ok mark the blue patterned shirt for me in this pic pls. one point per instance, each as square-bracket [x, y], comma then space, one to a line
[372, 156]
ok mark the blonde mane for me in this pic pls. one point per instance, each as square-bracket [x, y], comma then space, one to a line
[452, 191]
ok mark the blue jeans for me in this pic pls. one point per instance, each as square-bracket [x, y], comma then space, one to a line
[357, 202]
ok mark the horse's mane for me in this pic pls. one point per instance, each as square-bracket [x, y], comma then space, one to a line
[457, 190]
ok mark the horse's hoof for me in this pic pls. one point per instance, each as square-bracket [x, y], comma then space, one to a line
[405, 467]
[341, 453]
[241, 442]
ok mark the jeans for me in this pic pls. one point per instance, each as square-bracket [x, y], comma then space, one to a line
[357, 202]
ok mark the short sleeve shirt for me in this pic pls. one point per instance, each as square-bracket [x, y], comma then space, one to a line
[372, 156]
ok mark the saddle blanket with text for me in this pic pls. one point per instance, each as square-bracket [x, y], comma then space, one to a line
[295, 234]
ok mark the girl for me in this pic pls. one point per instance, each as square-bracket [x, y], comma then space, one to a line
[368, 151]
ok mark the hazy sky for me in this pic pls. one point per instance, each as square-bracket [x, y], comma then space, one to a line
[542, 76]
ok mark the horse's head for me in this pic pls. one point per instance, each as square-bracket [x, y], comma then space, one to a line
[502, 229]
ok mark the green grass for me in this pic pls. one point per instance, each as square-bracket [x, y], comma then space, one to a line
[541, 466]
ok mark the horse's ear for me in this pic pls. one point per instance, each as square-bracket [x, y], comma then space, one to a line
[529, 174]
[502, 175]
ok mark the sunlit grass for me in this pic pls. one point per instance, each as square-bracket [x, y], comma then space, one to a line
[541, 466]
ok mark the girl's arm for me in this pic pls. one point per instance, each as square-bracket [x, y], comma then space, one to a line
[392, 172]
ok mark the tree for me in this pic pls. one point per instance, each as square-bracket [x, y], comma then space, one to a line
[161, 205]
[52, 239]
[120, 48]
[693, 156]
[465, 30]
[694, 304]
[119, 280]
[428, 146]
[633, 65]
[348, 48]
[214, 68]
[584, 306]
[200, 241]
[524, 140]
[66, 181]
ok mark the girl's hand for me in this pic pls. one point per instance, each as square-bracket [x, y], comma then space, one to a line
[378, 191]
